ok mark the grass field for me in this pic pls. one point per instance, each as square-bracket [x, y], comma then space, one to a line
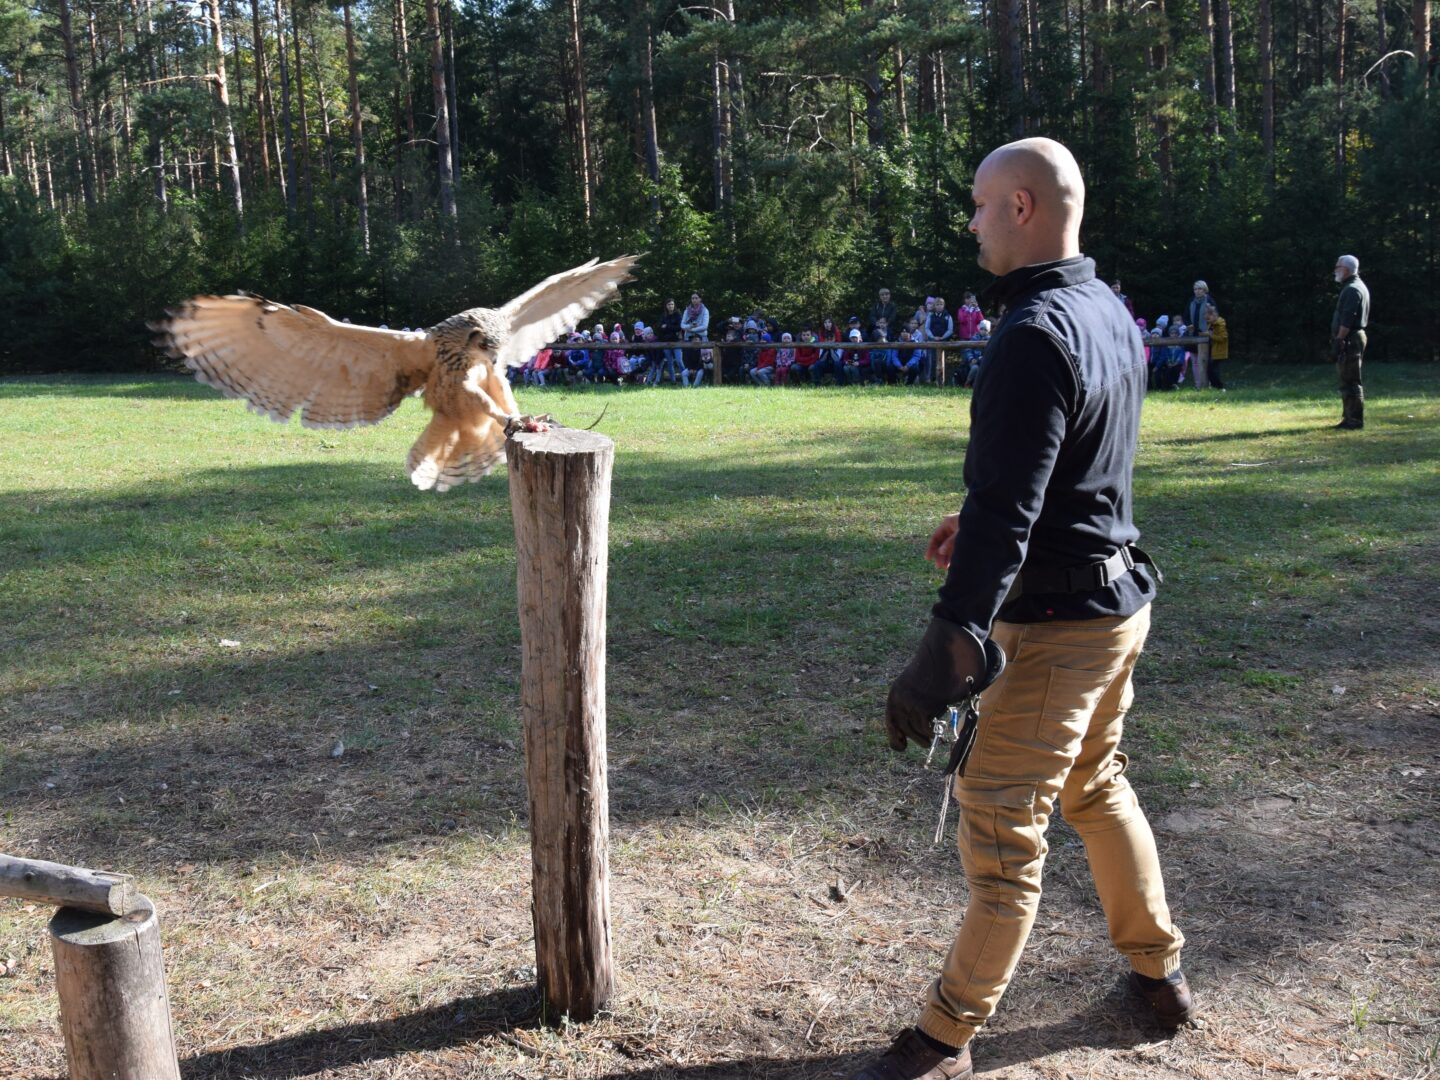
[196, 605]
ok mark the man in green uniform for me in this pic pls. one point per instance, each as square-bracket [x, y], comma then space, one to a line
[1347, 339]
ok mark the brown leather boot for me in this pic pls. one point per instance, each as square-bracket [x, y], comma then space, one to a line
[911, 1058]
[1169, 998]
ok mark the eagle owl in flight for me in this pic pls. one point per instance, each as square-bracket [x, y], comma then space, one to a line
[287, 359]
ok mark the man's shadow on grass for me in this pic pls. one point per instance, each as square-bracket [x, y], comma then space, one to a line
[1106, 1024]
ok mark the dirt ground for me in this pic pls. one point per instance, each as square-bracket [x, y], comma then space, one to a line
[760, 937]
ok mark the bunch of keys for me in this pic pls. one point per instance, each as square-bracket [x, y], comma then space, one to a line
[939, 727]
[963, 737]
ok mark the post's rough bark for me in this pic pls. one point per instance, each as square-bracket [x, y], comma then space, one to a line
[113, 1006]
[560, 498]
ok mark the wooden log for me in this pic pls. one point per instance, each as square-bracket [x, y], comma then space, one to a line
[1202, 364]
[113, 1006]
[560, 499]
[66, 886]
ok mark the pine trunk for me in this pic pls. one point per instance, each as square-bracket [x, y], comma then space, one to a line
[357, 132]
[717, 132]
[1267, 87]
[262, 90]
[222, 94]
[1341, 17]
[292, 190]
[307, 186]
[444, 167]
[1225, 42]
[156, 148]
[582, 135]
[1420, 37]
[649, 127]
[1006, 22]
[77, 103]
[1207, 69]
[902, 114]
[454, 100]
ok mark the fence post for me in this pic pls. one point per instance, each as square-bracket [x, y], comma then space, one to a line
[560, 499]
[1202, 364]
[113, 1008]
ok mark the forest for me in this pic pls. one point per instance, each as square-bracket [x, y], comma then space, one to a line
[395, 161]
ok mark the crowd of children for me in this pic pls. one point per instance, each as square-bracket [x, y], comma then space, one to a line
[758, 350]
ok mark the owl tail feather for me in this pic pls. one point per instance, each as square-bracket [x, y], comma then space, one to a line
[450, 453]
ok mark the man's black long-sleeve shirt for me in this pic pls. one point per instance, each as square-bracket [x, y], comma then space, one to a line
[1054, 423]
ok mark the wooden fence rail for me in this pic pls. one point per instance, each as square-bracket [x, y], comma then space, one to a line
[1201, 341]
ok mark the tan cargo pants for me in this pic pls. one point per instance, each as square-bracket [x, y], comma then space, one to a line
[1050, 729]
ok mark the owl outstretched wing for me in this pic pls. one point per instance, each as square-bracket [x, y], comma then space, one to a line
[281, 359]
[538, 316]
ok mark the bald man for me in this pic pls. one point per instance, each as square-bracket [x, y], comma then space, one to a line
[1041, 566]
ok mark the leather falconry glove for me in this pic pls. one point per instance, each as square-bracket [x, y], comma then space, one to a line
[950, 666]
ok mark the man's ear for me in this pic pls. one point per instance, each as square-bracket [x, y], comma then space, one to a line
[1024, 205]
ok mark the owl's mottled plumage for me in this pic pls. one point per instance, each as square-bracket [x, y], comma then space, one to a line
[283, 360]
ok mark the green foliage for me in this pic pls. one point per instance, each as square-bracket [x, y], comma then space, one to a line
[831, 192]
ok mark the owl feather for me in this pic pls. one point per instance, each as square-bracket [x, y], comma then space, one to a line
[284, 360]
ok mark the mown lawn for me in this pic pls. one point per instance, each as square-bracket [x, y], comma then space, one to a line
[197, 605]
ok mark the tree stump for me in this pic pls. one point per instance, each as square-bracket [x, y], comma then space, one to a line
[113, 1007]
[560, 498]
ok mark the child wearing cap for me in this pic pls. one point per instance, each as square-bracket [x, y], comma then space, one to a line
[857, 361]
[784, 360]
[970, 358]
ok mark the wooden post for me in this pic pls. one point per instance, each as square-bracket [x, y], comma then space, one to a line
[1202, 364]
[560, 499]
[66, 886]
[113, 1007]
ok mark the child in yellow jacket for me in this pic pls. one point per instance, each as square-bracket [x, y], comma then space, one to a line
[1219, 344]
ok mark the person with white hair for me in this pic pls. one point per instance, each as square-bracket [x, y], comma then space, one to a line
[1347, 340]
[1195, 315]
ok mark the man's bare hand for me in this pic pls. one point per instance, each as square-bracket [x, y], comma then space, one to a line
[942, 541]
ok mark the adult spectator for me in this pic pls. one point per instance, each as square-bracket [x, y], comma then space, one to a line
[695, 320]
[883, 308]
[1040, 566]
[668, 330]
[1347, 339]
[1195, 315]
[938, 327]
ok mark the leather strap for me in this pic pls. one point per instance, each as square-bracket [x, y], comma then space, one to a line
[1089, 577]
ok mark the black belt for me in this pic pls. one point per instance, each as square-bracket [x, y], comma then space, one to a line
[1087, 578]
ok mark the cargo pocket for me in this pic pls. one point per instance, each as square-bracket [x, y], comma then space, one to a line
[1070, 700]
[998, 836]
